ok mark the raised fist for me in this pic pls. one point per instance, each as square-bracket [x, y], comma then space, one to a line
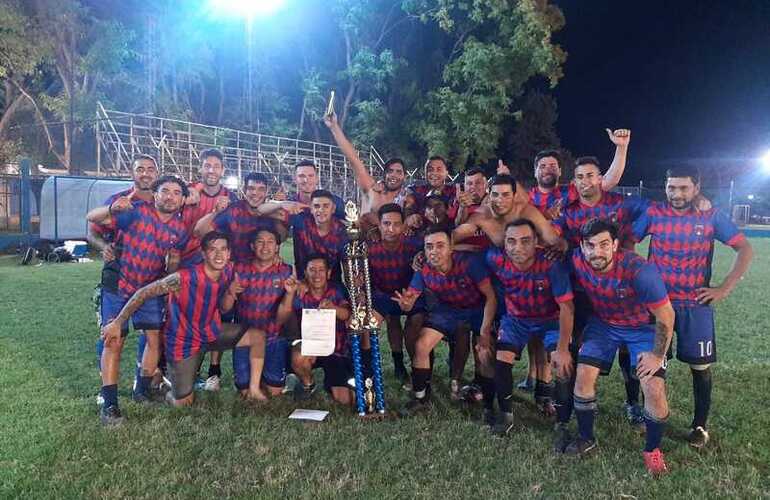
[620, 137]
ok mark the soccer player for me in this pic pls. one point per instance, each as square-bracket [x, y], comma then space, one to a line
[538, 303]
[320, 293]
[623, 289]
[390, 263]
[682, 247]
[193, 326]
[470, 200]
[463, 296]
[148, 234]
[263, 289]
[436, 175]
[306, 181]
[318, 232]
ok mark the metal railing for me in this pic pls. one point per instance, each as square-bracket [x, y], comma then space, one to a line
[177, 144]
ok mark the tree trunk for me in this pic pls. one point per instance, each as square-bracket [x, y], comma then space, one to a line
[10, 109]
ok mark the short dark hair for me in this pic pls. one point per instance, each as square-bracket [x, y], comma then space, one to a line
[142, 156]
[390, 208]
[437, 158]
[255, 177]
[546, 153]
[391, 162]
[216, 153]
[270, 228]
[595, 226]
[317, 256]
[304, 163]
[213, 236]
[438, 228]
[322, 193]
[684, 171]
[588, 160]
[171, 178]
[521, 221]
[475, 171]
[501, 180]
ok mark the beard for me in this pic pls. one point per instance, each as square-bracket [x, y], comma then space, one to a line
[547, 181]
[681, 204]
[599, 263]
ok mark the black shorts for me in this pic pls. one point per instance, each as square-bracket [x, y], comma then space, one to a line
[337, 370]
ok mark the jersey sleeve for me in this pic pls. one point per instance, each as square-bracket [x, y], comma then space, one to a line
[560, 282]
[640, 227]
[725, 230]
[559, 224]
[649, 287]
[635, 206]
[417, 284]
[477, 269]
[222, 221]
[339, 207]
[123, 220]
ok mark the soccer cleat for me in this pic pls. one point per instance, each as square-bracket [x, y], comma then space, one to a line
[635, 415]
[110, 416]
[289, 384]
[471, 393]
[562, 439]
[655, 463]
[503, 425]
[489, 418]
[199, 384]
[99, 400]
[698, 437]
[526, 385]
[581, 447]
[454, 389]
[212, 384]
[303, 392]
[414, 407]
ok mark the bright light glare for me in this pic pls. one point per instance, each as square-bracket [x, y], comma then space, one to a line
[750, 197]
[247, 8]
[231, 182]
[765, 162]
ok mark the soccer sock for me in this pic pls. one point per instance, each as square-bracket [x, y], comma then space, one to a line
[504, 385]
[143, 384]
[653, 430]
[110, 395]
[632, 384]
[450, 358]
[398, 361]
[488, 392]
[216, 370]
[420, 377]
[543, 392]
[564, 388]
[99, 351]
[141, 343]
[241, 368]
[432, 358]
[701, 390]
[585, 409]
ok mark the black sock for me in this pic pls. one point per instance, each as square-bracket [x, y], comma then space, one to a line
[585, 410]
[143, 385]
[543, 392]
[450, 358]
[504, 385]
[653, 431]
[563, 389]
[632, 383]
[215, 370]
[488, 392]
[110, 395]
[701, 390]
[398, 360]
[420, 377]
[432, 358]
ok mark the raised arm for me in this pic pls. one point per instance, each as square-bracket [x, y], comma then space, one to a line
[620, 138]
[363, 178]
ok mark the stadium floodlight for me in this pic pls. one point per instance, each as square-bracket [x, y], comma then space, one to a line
[764, 161]
[231, 182]
[248, 9]
[750, 197]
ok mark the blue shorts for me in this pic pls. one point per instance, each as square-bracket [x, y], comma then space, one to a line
[514, 334]
[601, 341]
[695, 333]
[147, 317]
[276, 354]
[446, 320]
[386, 306]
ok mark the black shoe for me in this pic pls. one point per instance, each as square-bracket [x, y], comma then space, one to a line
[303, 392]
[526, 385]
[698, 437]
[489, 418]
[110, 416]
[581, 447]
[562, 439]
[503, 425]
[414, 407]
[635, 415]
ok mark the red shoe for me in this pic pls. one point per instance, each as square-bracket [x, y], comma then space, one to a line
[654, 462]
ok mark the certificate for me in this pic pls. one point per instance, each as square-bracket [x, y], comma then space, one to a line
[318, 332]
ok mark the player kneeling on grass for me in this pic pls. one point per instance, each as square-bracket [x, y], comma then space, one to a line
[196, 298]
[317, 292]
[538, 305]
[263, 280]
[622, 287]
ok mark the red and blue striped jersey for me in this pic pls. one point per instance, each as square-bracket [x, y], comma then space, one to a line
[391, 270]
[459, 288]
[107, 233]
[192, 313]
[145, 242]
[337, 297]
[479, 238]
[682, 245]
[561, 195]
[339, 204]
[533, 293]
[614, 207]
[193, 213]
[258, 303]
[237, 222]
[623, 295]
[307, 241]
[448, 194]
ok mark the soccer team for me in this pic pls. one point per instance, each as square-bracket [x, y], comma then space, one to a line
[486, 265]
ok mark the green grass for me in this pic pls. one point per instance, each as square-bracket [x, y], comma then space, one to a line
[53, 446]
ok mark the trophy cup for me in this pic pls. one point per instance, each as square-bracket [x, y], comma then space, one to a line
[370, 393]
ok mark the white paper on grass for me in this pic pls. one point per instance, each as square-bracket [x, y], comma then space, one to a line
[318, 327]
[314, 415]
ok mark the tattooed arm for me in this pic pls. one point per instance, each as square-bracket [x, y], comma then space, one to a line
[650, 362]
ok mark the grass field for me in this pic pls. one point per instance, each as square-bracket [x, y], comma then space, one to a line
[52, 444]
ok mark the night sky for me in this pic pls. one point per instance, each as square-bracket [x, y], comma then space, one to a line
[691, 79]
